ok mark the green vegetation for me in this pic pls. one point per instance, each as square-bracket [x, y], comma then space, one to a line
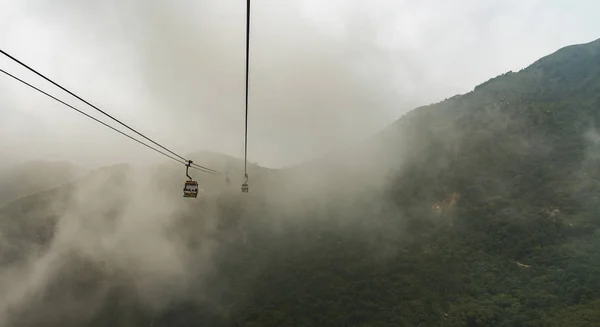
[514, 166]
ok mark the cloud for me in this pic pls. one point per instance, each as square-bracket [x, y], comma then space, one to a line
[113, 240]
[322, 75]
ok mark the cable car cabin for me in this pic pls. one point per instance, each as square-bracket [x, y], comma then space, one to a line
[190, 190]
[245, 187]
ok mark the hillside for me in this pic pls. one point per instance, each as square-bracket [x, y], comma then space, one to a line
[32, 177]
[477, 211]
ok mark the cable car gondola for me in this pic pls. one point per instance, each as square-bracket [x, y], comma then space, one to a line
[190, 189]
[245, 184]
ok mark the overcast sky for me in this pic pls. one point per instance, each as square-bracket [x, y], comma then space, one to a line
[323, 73]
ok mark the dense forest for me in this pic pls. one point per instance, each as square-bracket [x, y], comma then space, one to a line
[480, 210]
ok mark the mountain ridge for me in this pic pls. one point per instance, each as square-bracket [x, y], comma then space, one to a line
[34, 176]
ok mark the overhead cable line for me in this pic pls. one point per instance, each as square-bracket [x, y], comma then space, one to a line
[245, 184]
[247, 74]
[195, 165]
[98, 109]
[99, 121]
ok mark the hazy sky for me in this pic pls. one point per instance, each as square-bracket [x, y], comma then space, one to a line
[322, 73]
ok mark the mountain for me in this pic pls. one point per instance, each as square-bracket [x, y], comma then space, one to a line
[480, 210]
[35, 176]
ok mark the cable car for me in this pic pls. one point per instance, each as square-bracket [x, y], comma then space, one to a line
[245, 185]
[190, 189]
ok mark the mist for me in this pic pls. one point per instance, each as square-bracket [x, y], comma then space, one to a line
[321, 76]
[126, 231]
[105, 229]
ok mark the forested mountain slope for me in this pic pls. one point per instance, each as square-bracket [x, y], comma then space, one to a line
[32, 177]
[480, 210]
